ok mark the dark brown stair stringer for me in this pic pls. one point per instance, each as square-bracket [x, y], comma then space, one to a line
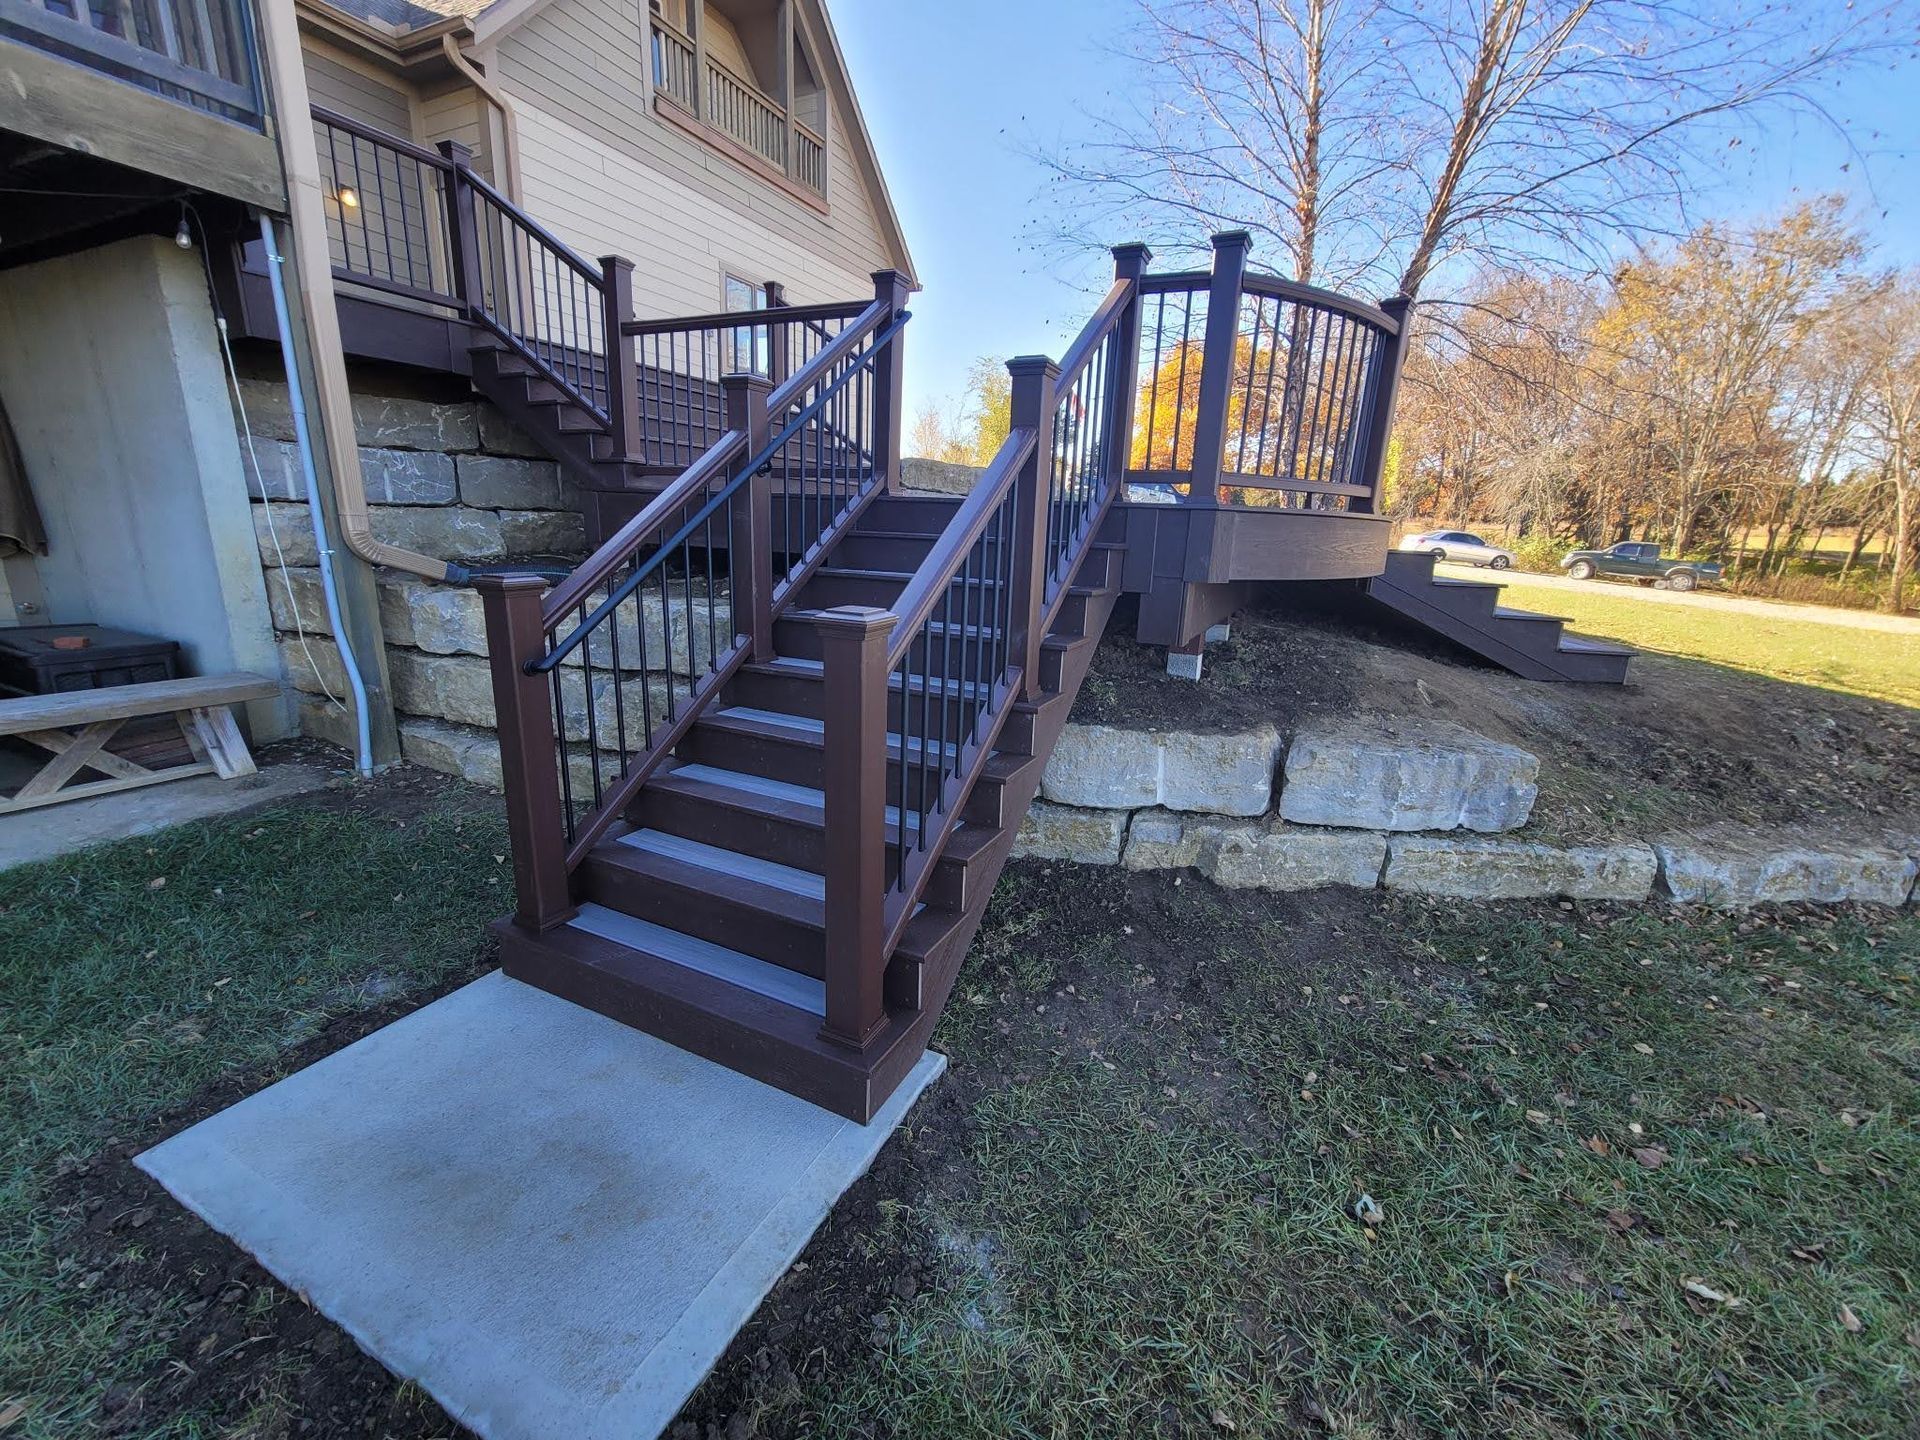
[1468, 613]
[776, 1042]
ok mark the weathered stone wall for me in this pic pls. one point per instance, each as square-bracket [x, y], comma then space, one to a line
[1383, 808]
[941, 476]
[450, 479]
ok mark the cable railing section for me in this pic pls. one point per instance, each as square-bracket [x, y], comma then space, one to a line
[597, 682]
[386, 211]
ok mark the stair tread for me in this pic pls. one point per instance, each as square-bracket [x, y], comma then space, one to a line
[806, 725]
[782, 791]
[794, 665]
[770, 873]
[745, 972]
[1505, 612]
[1581, 645]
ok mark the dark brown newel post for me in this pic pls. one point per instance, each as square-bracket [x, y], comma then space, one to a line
[853, 654]
[778, 337]
[1216, 364]
[1032, 409]
[463, 229]
[892, 287]
[751, 563]
[1383, 388]
[1129, 263]
[529, 767]
[623, 374]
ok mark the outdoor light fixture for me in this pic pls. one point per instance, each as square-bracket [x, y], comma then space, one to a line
[349, 198]
[183, 237]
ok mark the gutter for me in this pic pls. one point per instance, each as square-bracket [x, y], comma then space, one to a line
[496, 97]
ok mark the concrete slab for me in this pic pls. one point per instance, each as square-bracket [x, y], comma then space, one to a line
[77, 824]
[553, 1223]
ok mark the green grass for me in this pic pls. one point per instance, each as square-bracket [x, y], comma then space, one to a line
[135, 975]
[1881, 665]
[1164, 1246]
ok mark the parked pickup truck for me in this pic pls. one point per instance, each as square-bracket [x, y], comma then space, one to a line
[1630, 560]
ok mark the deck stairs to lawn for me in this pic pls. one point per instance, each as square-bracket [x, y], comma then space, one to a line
[1469, 613]
[766, 749]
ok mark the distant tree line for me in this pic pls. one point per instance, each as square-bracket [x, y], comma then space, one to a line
[1741, 393]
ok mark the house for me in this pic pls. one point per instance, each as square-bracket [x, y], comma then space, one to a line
[721, 145]
[565, 347]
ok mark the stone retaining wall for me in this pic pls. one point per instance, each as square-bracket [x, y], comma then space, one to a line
[1232, 807]
[450, 479]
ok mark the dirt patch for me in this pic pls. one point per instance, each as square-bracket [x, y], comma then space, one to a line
[1682, 744]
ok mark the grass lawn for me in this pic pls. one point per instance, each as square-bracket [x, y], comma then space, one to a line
[136, 976]
[1880, 665]
[1128, 1210]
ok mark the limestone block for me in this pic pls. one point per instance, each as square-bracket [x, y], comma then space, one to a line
[440, 619]
[943, 476]
[294, 530]
[442, 687]
[313, 667]
[1269, 855]
[542, 532]
[498, 482]
[407, 477]
[391, 421]
[294, 595]
[1103, 767]
[1219, 774]
[451, 532]
[280, 476]
[1057, 832]
[1507, 869]
[1162, 840]
[1387, 777]
[473, 755]
[1733, 871]
[323, 720]
[499, 436]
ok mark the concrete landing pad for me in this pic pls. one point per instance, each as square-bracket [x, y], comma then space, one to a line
[553, 1223]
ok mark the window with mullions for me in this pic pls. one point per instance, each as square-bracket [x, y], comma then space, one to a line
[749, 348]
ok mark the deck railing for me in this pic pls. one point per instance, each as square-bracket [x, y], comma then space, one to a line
[1258, 391]
[735, 107]
[199, 52]
[596, 682]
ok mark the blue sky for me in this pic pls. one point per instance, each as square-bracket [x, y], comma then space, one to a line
[954, 94]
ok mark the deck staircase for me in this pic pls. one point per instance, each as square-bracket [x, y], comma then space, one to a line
[702, 914]
[1469, 613]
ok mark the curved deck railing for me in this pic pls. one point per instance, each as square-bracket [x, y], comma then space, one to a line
[1259, 392]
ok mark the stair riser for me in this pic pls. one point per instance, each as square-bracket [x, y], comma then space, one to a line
[826, 591]
[803, 695]
[797, 761]
[909, 514]
[701, 912]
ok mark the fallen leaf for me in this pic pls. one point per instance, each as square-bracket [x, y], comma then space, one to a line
[1622, 1219]
[159, 882]
[11, 1414]
[1367, 1211]
[1643, 1047]
[1538, 1117]
[1651, 1156]
[1850, 1320]
[1597, 1145]
[1221, 1420]
[1700, 1290]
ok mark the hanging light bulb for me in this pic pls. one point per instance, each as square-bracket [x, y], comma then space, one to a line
[183, 237]
[349, 198]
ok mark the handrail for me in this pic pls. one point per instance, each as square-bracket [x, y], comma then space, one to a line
[385, 139]
[594, 570]
[930, 580]
[1080, 354]
[588, 270]
[1279, 289]
[740, 319]
[624, 591]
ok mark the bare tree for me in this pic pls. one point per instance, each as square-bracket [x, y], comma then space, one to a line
[1377, 140]
[1893, 418]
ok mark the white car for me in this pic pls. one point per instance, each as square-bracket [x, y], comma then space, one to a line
[1459, 546]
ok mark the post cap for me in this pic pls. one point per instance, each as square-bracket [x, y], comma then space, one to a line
[1130, 258]
[745, 380]
[857, 619]
[1026, 365]
[615, 262]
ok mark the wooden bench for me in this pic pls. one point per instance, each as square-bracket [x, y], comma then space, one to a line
[75, 727]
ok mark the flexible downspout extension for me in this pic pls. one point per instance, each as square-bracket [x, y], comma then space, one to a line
[363, 753]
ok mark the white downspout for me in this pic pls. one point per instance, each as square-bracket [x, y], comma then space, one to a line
[363, 757]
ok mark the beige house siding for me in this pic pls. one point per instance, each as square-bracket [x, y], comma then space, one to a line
[359, 96]
[611, 177]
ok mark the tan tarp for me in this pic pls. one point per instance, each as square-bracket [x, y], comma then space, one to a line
[21, 532]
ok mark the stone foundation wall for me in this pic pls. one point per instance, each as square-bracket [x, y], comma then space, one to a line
[450, 479]
[1390, 811]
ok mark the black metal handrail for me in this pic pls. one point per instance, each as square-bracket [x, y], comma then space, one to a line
[761, 460]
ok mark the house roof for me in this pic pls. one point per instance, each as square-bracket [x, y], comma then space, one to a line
[410, 14]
